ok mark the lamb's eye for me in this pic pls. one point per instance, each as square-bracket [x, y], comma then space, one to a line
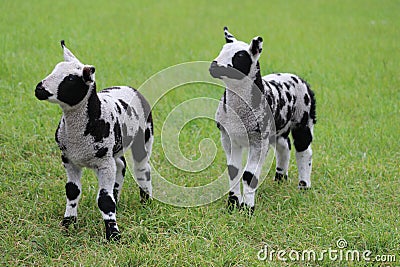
[71, 77]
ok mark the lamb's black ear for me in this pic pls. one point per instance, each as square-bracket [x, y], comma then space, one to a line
[229, 38]
[256, 45]
[88, 74]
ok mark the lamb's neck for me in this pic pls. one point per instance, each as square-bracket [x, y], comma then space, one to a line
[76, 117]
[250, 90]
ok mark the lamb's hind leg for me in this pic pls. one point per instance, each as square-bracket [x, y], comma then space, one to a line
[282, 157]
[120, 176]
[141, 151]
[105, 199]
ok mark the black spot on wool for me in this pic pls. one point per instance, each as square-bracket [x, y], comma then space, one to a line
[306, 99]
[313, 104]
[105, 202]
[72, 90]
[123, 103]
[289, 96]
[101, 152]
[64, 159]
[126, 139]
[287, 85]
[96, 127]
[147, 135]
[117, 138]
[146, 109]
[138, 149]
[294, 79]
[72, 191]
[302, 138]
[124, 168]
[242, 62]
[258, 81]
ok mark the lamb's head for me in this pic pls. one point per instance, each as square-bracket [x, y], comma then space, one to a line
[237, 60]
[68, 83]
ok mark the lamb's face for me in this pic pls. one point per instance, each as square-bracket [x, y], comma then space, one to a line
[236, 59]
[68, 83]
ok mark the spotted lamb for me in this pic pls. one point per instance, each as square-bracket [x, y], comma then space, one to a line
[94, 132]
[256, 112]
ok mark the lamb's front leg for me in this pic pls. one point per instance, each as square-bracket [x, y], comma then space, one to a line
[234, 161]
[73, 189]
[105, 199]
[251, 175]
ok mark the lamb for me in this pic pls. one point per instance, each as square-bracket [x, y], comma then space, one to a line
[256, 112]
[94, 132]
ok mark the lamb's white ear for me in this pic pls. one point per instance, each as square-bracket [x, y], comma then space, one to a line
[229, 38]
[256, 45]
[68, 56]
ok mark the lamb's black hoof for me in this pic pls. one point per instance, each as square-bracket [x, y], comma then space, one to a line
[247, 209]
[232, 203]
[112, 232]
[67, 221]
[303, 185]
[144, 196]
[279, 177]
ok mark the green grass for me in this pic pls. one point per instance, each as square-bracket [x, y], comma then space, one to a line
[347, 50]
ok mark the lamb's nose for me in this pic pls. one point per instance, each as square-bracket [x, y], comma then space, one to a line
[41, 93]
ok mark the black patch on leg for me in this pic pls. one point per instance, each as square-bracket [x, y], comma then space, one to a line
[72, 191]
[148, 177]
[112, 232]
[233, 171]
[302, 138]
[250, 179]
[105, 202]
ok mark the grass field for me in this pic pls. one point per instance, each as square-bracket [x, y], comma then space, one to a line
[347, 50]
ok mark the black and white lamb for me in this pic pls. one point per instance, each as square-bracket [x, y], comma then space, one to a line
[94, 132]
[256, 111]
